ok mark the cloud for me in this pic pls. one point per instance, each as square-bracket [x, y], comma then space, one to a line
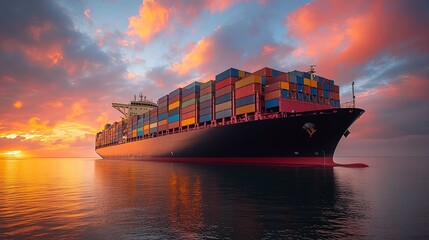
[153, 18]
[86, 13]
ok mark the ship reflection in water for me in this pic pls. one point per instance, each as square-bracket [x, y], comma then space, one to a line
[115, 199]
[213, 201]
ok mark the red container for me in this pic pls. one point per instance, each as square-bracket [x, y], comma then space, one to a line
[248, 90]
[189, 97]
[175, 99]
[292, 87]
[189, 108]
[320, 85]
[162, 110]
[292, 95]
[224, 90]
[336, 88]
[207, 90]
[280, 78]
[187, 115]
[268, 72]
[272, 95]
[163, 127]
[307, 89]
[226, 82]
[174, 125]
[153, 113]
[320, 92]
[206, 104]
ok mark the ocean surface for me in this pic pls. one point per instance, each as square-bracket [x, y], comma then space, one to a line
[84, 198]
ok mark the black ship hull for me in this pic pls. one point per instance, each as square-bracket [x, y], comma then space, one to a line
[308, 138]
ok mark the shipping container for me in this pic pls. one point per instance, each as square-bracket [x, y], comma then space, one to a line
[224, 90]
[162, 116]
[292, 87]
[245, 109]
[232, 72]
[222, 99]
[313, 91]
[173, 125]
[272, 103]
[245, 101]
[205, 118]
[268, 72]
[276, 86]
[206, 104]
[223, 114]
[173, 118]
[187, 115]
[162, 122]
[299, 80]
[251, 89]
[175, 92]
[208, 90]
[277, 94]
[313, 83]
[189, 97]
[225, 82]
[174, 111]
[175, 98]
[250, 79]
[163, 109]
[188, 121]
[307, 82]
[205, 111]
[223, 106]
[188, 103]
[174, 105]
[300, 88]
[206, 97]
[163, 99]
[191, 108]
[208, 84]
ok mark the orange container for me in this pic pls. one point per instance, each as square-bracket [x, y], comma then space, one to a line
[245, 109]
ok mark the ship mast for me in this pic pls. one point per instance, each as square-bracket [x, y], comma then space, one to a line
[353, 92]
[312, 71]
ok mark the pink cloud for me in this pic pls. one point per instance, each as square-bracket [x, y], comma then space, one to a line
[86, 13]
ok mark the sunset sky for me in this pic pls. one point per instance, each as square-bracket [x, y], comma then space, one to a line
[62, 63]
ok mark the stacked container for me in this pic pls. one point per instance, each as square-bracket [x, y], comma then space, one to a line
[207, 94]
[174, 104]
[224, 85]
[146, 123]
[277, 89]
[248, 93]
[153, 120]
[163, 113]
[189, 107]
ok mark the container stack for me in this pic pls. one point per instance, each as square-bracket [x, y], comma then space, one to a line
[134, 120]
[174, 103]
[248, 92]
[153, 120]
[190, 95]
[207, 94]
[163, 113]
[139, 125]
[224, 85]
[278, 88]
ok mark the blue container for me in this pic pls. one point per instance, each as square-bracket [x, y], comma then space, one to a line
[175, 93]
[300, 88]
[264, 80]
[326, 94]
[162, 104]
[275, 73]
[296, 73]
[139, 125]
[223, 114]
[139, 133]
[153, 120]
[205, 111]
[313, 91]
[223, 98]
[315, 77]
[206, 104]
[174, 118]
[153, 130]
[292, 78]
[300, 80]
[162, 116]
[326, 86]
[232, 72]
[205, 118]
[300, 96]
[272, 103]
[245, 101]
[306, 75]
[193, 85]
[331, 82]
[285, 93]
[174, 111]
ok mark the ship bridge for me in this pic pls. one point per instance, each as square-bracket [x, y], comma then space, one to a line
[136, 107]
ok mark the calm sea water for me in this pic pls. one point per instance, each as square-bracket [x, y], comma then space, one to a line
[101, 199]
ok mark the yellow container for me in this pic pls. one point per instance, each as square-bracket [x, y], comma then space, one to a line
[284, 85]
[153, 125]
[173, 105]
[248, 80]
[223, 106]
[241, 73]
[313, 83]
[146, 127]
[135, 133]
[307, 81]
[245, 109]
[188, 121]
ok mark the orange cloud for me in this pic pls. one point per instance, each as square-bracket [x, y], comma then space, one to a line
[219, 5]
[17, 104]
[152, 19]
[199, 54]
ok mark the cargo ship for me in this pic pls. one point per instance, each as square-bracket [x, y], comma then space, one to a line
[265, 117]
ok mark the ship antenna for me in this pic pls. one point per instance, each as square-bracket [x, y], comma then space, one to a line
[141, 97]
[353, 92]
[135, 98]
[312, 71]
